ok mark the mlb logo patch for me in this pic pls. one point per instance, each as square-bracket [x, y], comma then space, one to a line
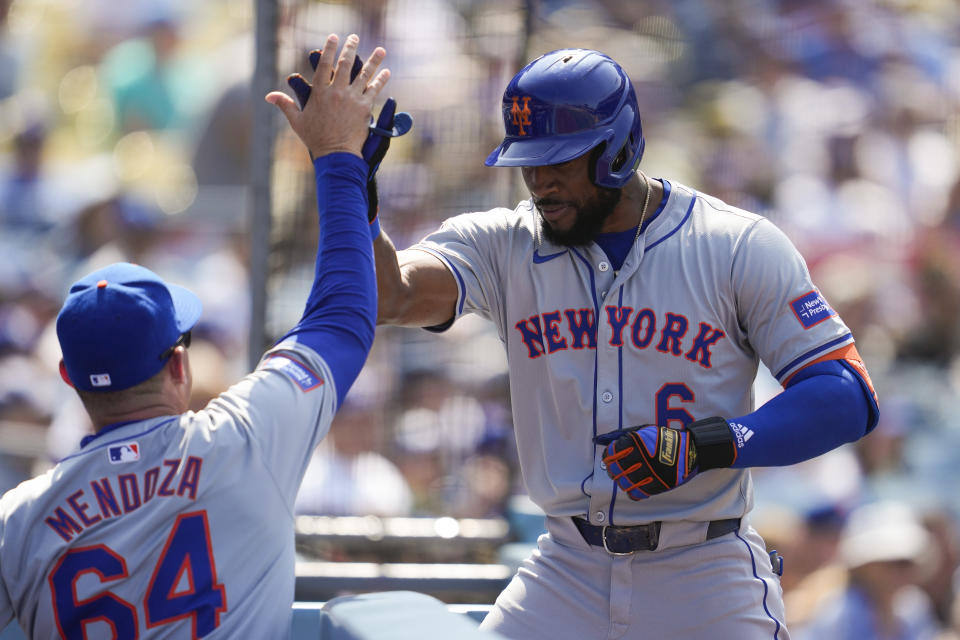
[100, 379]
[300, 374]
[126, 452]
[811, 309]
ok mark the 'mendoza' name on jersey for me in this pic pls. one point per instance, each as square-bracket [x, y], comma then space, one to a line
[577, 329]
[118, 495]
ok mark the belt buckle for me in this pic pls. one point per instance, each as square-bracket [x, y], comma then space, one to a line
[603, 536]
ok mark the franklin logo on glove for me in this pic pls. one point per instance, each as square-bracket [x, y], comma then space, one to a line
[668, 447]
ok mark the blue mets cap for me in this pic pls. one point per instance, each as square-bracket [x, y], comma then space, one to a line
[118, 324]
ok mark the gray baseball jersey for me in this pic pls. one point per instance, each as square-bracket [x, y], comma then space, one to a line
[674, 336]
[172, 527]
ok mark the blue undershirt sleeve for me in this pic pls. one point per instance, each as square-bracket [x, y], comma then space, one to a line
[341, 311]
[825, 405]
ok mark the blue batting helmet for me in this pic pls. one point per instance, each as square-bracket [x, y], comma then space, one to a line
[564, 104]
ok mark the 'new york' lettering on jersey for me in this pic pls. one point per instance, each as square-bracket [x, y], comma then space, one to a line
[548, 332]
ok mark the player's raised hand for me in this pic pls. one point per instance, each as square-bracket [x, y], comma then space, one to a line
[337, 110]
[389, 124]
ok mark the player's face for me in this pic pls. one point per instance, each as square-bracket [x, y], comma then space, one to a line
[572, 209]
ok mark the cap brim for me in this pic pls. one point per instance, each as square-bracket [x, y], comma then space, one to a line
[187, 307]
[537, 152]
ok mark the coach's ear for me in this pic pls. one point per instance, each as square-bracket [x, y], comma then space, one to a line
[64, 374]
[178, 365]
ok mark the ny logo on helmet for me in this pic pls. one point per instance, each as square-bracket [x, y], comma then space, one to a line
[521, 115]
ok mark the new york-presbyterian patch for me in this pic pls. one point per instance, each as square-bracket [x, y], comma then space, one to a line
[811, 309]
[296, 371]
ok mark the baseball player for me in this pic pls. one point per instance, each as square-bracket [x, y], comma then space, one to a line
[634, 311]
[174, 524]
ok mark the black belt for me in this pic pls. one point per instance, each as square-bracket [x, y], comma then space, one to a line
[644, 537]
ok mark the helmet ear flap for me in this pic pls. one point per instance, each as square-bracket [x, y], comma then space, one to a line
[618, 162]
[620, 159]
[594, 164]
[616, 165]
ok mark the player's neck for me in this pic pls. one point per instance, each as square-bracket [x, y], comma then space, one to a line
[629, 211]
[167, 394]
[101, 419]
[169, 398]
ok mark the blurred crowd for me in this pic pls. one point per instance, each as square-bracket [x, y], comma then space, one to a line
[125, 135]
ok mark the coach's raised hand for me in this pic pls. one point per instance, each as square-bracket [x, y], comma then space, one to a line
[337, 113]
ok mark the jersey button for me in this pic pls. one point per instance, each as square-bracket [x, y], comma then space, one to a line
[600, 516]
[603, 266]
[603, 294]
[606, 396]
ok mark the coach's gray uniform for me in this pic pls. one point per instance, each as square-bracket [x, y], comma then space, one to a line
[707, 293]
[224, 478]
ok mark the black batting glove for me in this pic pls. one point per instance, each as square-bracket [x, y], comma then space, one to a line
[648, 460]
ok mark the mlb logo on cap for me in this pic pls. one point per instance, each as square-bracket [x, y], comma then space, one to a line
[126, 452]
[100, 379]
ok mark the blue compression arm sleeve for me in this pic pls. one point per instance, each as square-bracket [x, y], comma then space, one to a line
[824, 406]
[341, 312]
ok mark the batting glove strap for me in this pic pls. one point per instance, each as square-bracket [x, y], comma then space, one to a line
[714, 443]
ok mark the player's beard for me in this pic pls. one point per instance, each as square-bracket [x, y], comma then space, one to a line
[587, 222]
